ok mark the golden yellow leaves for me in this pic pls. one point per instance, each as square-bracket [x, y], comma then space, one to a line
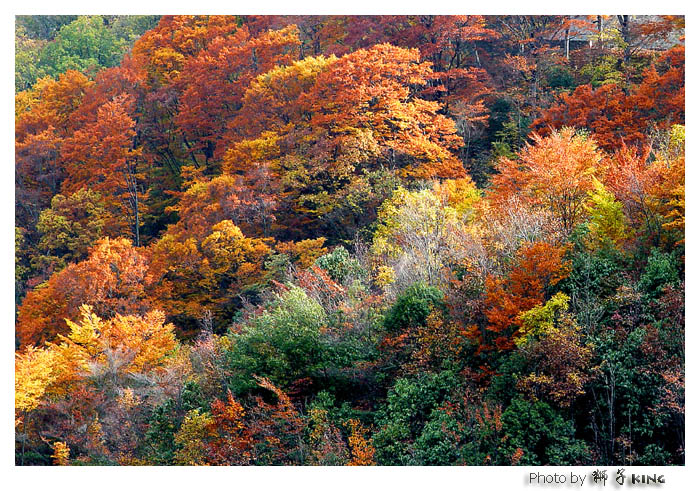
[142, 341]
[61, 453]
[34, 372]
[607, 222]
[361, 450]
[166, 65]
[127, 344]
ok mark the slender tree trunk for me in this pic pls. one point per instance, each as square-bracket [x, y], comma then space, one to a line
[136, 213]
[624, 21]
[133, 200]
[24, 438]
[626, 38]
[611, 412]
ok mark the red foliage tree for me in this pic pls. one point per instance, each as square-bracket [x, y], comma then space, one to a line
[213, 83]
[614, 116]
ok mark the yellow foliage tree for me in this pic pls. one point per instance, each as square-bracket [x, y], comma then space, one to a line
[35, 370]
[61, 453]
[139, 343]
[190, 438]
[361, 450]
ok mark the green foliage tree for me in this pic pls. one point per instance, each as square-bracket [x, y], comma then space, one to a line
[340, 265]
[85, 45]
[27, 51]
[413, 306]
[542, 435]
[407, 409]
[43, 26]
[51, 44]
[283, 344]
[661, 271]
[159, 440]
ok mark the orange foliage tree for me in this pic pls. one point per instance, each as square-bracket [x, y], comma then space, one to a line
[114, 279]
[42, 121]
[196, 276]
[267, 433]
[340, 120]
[536, 267]
[555, 172]
[213, 84]
[233, 443]
[83, 383]
[102, 156]
[652, 194]
[247, 200]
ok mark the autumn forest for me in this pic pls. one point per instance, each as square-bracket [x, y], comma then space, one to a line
[349, 240]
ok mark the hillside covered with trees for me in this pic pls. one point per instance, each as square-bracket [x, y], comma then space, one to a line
[350, 240]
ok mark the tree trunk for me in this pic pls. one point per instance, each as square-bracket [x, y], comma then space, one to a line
[136, 225]
[624, 21]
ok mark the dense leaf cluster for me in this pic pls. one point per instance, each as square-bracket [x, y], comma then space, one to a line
[350, 240]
